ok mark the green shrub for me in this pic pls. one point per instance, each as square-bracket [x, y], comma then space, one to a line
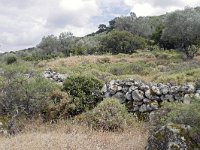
[10, 59]
[28, 96]
[109, 115]
[85, 92]
[58, 106]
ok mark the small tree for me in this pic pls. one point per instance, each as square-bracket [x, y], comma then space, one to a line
[117, 42]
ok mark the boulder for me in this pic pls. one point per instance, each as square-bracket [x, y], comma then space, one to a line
[170, 137]
[148, 94]
[164, 89]
[174, 89]
[104, 89]
[133, 88]
[128, 96]
[187, 99]
[156, 90]
[143, 108]
[120, 96]
[137, 95]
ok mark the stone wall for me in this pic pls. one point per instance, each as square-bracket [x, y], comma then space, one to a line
[54, 76]
[147, 97]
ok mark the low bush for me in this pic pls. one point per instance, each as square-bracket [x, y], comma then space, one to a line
[104, 60]
[109, 115]
[10, 59]
[85, 92]
[58, 106]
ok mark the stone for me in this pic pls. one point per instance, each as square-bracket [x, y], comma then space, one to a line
[125, 89]
[187, 99]
[197, 95]
[119, 88]
[148, 94]
[154, 105]
[128, 96]
[120, 96]
[136, 108]
[144, 87]
[198, 91]
[143, 108]
[138, 103]
[189, 88]
[133, 88]
[128, 83]
[137, 95]
[164, 89]
[170, 137]
[104, 89]
[174, 89]
[47, 75]
[167, 97]
[145, 100]
[156, 90]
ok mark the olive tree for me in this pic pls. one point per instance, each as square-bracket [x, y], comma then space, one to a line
[182, 29]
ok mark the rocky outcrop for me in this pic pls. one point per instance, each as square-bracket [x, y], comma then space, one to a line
[171, 137]
[143, 97]
[54, 76]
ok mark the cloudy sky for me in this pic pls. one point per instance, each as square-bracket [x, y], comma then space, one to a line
[24, 22]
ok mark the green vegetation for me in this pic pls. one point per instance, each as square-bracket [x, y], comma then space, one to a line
[182, 114]
[10, 59]
[153, 49]
[85, 92]
[109, 115]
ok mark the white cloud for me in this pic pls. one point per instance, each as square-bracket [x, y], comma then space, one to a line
[158, 7]
[24, 22]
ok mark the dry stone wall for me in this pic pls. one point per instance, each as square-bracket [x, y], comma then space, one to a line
[147, 97]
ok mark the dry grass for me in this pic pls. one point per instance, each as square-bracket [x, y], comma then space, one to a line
[74, 137]
[77, 60]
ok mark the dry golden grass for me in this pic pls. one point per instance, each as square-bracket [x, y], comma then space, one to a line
[77, 60]
[74, 137]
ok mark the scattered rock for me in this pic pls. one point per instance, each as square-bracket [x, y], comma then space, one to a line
[52, 75]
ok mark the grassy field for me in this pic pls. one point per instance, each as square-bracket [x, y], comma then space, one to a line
[74, 137]
[162, 66]
[149, 66]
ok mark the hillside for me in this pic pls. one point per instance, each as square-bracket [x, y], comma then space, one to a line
[133, 84]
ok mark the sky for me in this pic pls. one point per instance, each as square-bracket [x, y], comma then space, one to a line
[24, 22]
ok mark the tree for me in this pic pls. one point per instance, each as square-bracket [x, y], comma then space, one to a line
[102, 28]
[65, 39]
[117, 42]
[50, 44]
[182, 29]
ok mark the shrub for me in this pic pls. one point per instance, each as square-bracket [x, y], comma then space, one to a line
[58, 107]
[85, 92]
[11, 59]
[28, 96]
[104, 60]
[109, 115]
[191, 51]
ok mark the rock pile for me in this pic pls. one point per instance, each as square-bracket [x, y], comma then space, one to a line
[143, 97]
[54, 76]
